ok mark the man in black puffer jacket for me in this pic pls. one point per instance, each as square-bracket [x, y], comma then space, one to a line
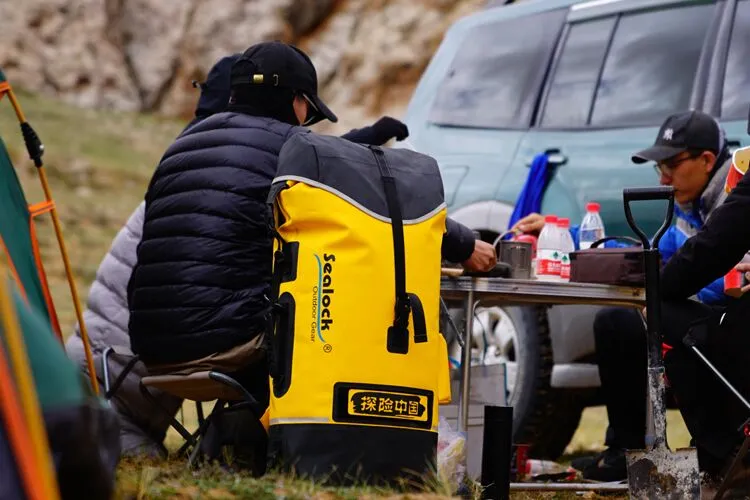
[197, 294]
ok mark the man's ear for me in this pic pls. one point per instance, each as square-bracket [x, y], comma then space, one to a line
[710, 161]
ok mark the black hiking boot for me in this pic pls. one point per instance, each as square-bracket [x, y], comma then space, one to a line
[609, 465]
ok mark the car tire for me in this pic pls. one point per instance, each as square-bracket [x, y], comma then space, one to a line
[543, 417]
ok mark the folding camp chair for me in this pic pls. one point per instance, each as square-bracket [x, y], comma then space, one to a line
[744, 428]
[199, 387]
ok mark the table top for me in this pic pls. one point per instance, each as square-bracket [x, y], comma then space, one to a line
[502, 291]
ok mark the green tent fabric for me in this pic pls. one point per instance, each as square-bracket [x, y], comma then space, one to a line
[58, 381]
[83, 432]
[15, 231]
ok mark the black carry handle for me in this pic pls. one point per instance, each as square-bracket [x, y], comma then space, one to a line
[601, 241]
[649, 194]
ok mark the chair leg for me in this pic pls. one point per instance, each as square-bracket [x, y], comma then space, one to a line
[735, 464]
[111, 391]
[227, 380]
[121, 377]
[199, 412]
[105, 370]
[173, 421]
[194, 454]
[202, 428]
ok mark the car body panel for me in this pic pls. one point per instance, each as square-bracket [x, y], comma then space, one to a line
[484, 169]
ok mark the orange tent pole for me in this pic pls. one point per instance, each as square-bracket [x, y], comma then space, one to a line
[36, 149]
[32, 413]
[18, 433]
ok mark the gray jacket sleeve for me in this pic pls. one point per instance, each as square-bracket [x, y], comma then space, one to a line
[458, 241]
[106, 313]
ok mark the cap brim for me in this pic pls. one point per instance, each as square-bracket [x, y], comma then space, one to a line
[320, 111]
[656, 154]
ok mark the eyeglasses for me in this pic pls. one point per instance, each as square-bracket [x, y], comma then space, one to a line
[667, 168]
[311, 106]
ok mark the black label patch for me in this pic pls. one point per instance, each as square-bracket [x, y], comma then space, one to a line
[382, 404]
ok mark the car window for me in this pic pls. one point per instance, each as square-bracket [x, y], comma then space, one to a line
[651, 64]
[736, 93]
[495, 77]
[576, 74]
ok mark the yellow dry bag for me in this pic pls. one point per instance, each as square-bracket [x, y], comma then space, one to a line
[358, 365]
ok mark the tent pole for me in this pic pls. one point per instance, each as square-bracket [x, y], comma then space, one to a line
[36, 149]
[25, 382]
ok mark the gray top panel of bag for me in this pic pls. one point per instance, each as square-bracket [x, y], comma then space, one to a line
[350, 171]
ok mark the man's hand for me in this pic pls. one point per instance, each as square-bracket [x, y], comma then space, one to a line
[532, 223]
[483, 259]
[387, 128]
[745, 268]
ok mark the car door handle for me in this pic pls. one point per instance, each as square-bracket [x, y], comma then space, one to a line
[554, 158]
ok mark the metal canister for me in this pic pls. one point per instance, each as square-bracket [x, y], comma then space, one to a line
[518, 255]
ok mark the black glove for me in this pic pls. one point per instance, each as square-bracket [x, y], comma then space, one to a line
[379, 132]
[697, 335]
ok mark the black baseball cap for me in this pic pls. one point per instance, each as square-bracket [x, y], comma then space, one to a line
[680, 132]
[215, 90]
[277, 64]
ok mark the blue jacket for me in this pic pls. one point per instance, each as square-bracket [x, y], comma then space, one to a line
[689, 220]
[203, 263]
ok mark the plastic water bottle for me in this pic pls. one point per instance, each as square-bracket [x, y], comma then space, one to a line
[548, 251]
[592, 227]
[566, 247]
[546, 470]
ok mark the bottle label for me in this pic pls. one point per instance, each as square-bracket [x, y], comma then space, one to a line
[565, 266]
[588, 236]
[548, 262]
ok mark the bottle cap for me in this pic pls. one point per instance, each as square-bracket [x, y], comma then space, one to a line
[563, 222]
[592, 206]
[550, 219]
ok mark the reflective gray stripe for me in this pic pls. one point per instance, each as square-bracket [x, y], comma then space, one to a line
[341, 195]
[299, 420]
[323, 420]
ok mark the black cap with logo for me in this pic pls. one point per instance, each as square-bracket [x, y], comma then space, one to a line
[277, 64]
[690, 130]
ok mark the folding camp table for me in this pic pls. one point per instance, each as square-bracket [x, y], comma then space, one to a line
[470, 291]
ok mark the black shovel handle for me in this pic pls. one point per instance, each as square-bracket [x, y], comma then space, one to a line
[649, 194]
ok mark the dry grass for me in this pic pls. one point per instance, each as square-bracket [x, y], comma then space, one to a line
[171, 480]
[590, 434]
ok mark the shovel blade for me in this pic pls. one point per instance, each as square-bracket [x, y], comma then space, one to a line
[663, 474]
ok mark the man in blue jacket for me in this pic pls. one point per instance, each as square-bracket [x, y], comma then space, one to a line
[690, 154]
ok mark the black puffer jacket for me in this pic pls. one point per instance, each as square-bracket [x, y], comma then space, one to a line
[204, 260]
[203, 263]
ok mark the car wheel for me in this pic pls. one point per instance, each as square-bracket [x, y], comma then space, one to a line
[543, 417]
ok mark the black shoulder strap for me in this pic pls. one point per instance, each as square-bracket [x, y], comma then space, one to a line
[406, 303]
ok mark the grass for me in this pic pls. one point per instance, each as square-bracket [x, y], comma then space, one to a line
[170, 479]
[99, 164]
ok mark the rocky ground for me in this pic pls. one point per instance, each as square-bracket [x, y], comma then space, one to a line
[141, 55]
